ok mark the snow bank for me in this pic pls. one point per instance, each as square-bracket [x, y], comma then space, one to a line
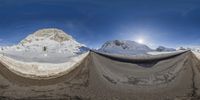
[160, 53]
[37, 70]
[197, 54]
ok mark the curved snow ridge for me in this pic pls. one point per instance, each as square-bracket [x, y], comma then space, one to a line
[36, 70]
[162, 52]
[141, 58]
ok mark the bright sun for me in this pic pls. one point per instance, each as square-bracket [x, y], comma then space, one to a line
[141, 41]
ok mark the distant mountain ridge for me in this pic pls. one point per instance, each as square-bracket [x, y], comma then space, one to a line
[162, 48]
[124, 47]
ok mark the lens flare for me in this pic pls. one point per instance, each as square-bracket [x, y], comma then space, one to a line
[141, 41]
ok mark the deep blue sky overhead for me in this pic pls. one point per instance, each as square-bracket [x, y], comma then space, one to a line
[92, 22]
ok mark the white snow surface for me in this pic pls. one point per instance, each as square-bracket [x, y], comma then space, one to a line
[124, 47]
[41, 70]
[164, 52]
[197, 54]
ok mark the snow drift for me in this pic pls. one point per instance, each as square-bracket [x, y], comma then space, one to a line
[38, 70]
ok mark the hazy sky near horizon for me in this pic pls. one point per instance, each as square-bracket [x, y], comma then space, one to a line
[170, 23]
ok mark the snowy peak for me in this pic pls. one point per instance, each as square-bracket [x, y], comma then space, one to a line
[51, 34]
[54, 34]
[53, 39]
[124, 47]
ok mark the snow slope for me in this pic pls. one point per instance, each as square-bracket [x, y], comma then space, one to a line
[37, 70]
[45, 45]
[197, 54]
[125, 47]
[164, 52]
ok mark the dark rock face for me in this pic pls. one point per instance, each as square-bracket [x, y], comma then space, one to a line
[162, 48]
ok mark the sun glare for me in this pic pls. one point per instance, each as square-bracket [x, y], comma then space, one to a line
[141, 41]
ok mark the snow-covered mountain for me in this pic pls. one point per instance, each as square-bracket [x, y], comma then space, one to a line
[50, 42]
[163, 49]
[124, 47]
[192, 48]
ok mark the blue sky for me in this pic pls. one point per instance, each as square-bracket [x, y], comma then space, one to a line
[170, 23]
